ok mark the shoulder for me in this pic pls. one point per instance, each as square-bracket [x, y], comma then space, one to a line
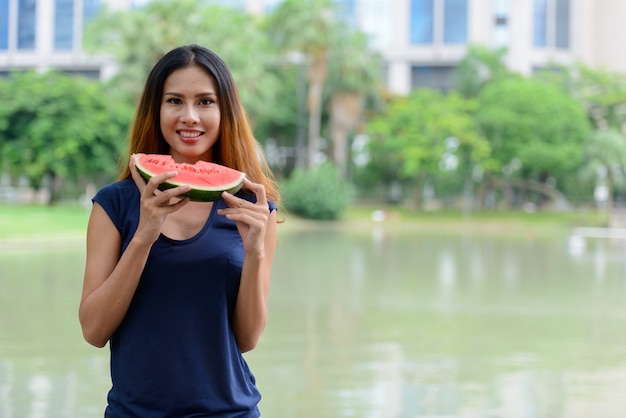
[119, 186]
[122, 188]
[118, 199]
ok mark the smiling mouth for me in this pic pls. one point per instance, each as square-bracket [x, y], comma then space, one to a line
[190, 134]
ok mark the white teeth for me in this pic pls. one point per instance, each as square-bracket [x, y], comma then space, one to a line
[187, 134]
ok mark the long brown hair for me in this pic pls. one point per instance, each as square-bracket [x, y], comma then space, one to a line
[236, 147]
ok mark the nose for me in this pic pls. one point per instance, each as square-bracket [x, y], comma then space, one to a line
[189, 115]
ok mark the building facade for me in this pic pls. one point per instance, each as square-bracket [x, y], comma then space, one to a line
[421, 41]
[48, 34]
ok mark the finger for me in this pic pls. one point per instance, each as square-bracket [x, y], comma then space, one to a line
[153, 184]
[258, 189]
[148, 186]
[235, 201]
[177, 192]
[175, 206]
[247, 212]
[139, 181]
[255, 221]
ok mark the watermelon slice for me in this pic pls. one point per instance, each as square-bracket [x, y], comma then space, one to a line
[207, 180]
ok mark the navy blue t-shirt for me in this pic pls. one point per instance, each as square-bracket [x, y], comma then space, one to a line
[174, 354]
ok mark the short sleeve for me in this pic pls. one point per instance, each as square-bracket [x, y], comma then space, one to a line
[120, 201]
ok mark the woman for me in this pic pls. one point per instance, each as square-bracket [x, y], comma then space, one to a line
[179, 289]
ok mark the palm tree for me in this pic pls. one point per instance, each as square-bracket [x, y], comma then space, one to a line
[355, 79]
[605, 151]
[138, 38]
[307, 27]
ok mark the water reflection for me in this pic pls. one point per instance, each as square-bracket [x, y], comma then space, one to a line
[462, 326]
[43, 370]
[40, 388]
[6, 383]
[374, 322]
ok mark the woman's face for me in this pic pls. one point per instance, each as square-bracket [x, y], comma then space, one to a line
[190, 114]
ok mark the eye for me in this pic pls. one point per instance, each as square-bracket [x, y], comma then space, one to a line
[206, 102]
[173, 100]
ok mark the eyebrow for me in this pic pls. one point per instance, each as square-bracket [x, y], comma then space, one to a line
[173, 93]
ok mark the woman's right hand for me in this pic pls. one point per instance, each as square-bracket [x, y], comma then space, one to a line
[110, 280]
[155, 204]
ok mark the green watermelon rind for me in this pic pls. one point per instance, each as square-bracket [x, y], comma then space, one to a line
[196, 194]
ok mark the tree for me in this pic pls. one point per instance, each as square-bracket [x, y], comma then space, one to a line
[62, 126]
[605, 154]
[480, 66]
[411, 138]
[307, 27]
[535, 130]
[138, 38]
[603, 95]
[286, 124]
[355, 78]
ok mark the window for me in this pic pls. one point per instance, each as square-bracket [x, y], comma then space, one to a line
[551, 24]
[455, 22]
[561, 38]
[422, 21]
[435, 77]
[26, 24]
[63, 24]
[540, 22]
[4, 24]
[501, 21]
[91, 74]
[446, 18]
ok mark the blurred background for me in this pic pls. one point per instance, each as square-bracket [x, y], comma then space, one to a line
[453, 174]
[408, 101]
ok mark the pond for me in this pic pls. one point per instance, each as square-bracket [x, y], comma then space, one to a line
[369, 322]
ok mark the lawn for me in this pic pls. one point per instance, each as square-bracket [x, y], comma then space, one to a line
[26, 222]
[404, 214]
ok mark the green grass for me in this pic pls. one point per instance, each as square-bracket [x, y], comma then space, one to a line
[518, 223]
[23, 222]
[404, 214]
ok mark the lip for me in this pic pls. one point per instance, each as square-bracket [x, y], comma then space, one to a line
[190, 139]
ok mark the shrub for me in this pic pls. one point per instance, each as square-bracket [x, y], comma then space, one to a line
[317, 194]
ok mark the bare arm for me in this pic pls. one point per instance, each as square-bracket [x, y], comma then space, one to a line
[251, 309]
[110, 280]
[257, 227]
[109, 284]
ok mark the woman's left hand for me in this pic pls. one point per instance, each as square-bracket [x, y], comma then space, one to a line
[251, 218]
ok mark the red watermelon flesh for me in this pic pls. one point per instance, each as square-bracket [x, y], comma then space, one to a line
[207, 180]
